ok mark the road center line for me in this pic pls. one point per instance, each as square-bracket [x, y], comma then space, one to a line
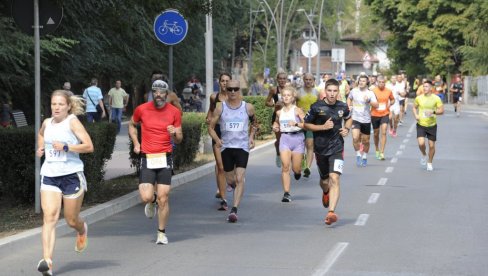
[330, 259]
[394, 160]
[362, 219]
[409, 135]
[373, 198]
[402, 147]
[389, 169]
[399, 152]
[382, 181]
[405, 140]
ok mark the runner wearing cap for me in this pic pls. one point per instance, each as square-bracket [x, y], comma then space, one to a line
[160, 123]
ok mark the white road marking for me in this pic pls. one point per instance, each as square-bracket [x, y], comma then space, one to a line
[394, 160]
[402, 147]
[389, 169]
[399, 152]
[409, 135]
[410, 130]
[382, 181]
[362, 219]
[330, 259]
[373, 198]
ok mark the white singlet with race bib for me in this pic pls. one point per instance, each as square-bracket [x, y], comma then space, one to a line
[234, 126]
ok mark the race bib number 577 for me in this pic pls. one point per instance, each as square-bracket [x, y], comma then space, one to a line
[234, 126]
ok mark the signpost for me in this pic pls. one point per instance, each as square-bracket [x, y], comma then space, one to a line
[37, 17]
[170, 27]
[50, 16]
[310, 49]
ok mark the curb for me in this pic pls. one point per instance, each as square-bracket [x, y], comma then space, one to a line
[111, 207]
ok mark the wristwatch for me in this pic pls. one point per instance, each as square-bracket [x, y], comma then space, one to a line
[296, 124]
[65, 147]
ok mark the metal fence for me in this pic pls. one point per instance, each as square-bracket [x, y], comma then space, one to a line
[476, 90]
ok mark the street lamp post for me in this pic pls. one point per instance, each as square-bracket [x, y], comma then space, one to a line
[262, 51]
[317, 78]
[251, 30]
[278, 35]
[310, 38]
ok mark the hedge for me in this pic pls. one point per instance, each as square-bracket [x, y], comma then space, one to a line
[263, 114]
[17, 160]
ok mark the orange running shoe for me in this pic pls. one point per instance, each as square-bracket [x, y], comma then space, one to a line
[82, 240]
[330, 218]
[325, 199]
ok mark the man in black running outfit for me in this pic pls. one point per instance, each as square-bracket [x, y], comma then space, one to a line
[325, 119]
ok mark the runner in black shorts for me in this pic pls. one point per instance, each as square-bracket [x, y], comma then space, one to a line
[215, 99]
[325, 119]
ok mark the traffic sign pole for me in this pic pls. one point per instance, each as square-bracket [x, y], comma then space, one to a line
[170, 27]
[37, 93]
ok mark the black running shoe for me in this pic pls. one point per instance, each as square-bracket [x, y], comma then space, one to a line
[306, 172]
[286, 197]
[223, 205]
[297, 176]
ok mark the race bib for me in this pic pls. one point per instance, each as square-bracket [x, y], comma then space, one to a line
[428, 113]
[234, 126]
[382, 106]
[53, 155]
[338, 165]
[156, 161]
[359, 107]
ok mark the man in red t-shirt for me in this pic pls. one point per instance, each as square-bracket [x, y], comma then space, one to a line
[380, 115]
[160, 123]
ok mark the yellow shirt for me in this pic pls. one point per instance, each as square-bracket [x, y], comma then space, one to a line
[305, 100]
[427, 103]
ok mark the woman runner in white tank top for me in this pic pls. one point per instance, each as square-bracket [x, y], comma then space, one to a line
[289, 122]
[61, 139]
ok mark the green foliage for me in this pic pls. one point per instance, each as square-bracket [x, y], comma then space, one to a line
[186, 151]
[434, 36]
[103, 136]
[263, 114]
[109, 40]
[193, 127]
[476, 35]
[17, 176]
[17, 162]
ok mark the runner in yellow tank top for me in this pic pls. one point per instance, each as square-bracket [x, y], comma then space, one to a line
[307, 96]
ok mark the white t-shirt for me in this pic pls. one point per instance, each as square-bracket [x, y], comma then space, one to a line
[361, 108]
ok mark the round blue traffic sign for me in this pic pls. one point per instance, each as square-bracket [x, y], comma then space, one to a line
[170, 27]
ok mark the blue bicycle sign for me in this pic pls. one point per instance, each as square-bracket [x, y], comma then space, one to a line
[170, 27]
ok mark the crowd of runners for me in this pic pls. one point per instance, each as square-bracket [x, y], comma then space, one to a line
[310, 120]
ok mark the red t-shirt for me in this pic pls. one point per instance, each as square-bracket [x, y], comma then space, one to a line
[154, 126]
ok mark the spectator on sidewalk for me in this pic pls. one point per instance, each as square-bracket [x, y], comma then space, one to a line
[95, 110]
[117, 101]
[67, 88]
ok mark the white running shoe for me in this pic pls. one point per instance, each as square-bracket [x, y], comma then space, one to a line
[423, 160]
[150, 209]
[162, 239]
[429, 167]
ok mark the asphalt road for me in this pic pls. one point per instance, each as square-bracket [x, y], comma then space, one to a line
[395, 218]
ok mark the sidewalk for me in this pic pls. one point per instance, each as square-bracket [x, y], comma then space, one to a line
[119, 165]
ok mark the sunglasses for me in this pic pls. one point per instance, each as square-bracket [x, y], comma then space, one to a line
[233, 89]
